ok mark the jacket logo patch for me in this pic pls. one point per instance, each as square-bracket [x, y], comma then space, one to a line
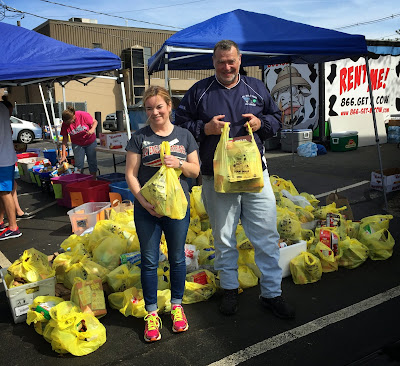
[249, 100]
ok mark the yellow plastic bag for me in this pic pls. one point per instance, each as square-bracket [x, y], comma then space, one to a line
[354, 253]
[305, 268]
[164, 191]
[207, 258]
[198, 202]
[246, 277]
[84, 335]
[279, 183]
[32, 266]
[203, 239]
[123, 277]
[82, 269]
[241, 239]
[131, 302]
[64, 261]
[329, 261]
[237, 164]
[38, 318]
[199, 286]
[377, 222]
[380, 243]
[108, 252]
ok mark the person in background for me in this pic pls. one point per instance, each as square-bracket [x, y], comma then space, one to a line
[7, 168]
[81, 128]
[142, 162]
[229, 97]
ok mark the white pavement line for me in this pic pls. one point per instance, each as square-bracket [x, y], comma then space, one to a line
[308, 328]
[42, 208]
[343, 188]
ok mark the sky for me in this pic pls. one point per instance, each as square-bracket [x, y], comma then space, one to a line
[179, 14]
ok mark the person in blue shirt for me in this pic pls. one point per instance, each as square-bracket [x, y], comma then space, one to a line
[228, 97]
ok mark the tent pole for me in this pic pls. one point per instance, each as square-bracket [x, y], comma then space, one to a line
[128, 122]
[46, 112]
[53, 114]
[376, 130]
[166, 73]
[291, 108]
[63, 94]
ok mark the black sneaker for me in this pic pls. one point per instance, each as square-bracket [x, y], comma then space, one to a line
[278, 306]
[229, 303]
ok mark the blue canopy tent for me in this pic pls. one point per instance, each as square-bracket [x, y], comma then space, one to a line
[32, 58]
[262, 39]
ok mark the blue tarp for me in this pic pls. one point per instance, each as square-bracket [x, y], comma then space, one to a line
[29, 55]
[263, 39]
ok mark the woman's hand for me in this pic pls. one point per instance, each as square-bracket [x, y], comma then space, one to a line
[91, 131]
[150, 208]
[171, 161]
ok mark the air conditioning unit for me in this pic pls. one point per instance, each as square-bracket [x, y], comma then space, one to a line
[83, 20]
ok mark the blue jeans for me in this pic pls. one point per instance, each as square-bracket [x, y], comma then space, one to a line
[79, 155]
[257, 212]
[149, 229]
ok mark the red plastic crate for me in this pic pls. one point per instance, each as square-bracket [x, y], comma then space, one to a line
[65, 180]
[26, 155]
[88, 191]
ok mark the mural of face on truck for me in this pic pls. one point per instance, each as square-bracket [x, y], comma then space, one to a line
[304, 82]
[347, 90]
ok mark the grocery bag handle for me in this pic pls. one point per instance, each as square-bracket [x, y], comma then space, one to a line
[165, 149]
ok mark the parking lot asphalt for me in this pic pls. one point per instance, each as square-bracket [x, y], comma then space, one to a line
[349, 317]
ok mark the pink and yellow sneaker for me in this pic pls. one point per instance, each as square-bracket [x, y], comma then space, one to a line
[179, 321]
[151, 328]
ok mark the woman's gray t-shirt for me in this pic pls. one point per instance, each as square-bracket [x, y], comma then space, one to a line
[146, 143]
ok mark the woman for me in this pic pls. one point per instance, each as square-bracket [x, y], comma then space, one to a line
[142, 162]
[81, 128]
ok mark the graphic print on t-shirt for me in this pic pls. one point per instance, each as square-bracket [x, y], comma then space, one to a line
[151, 153]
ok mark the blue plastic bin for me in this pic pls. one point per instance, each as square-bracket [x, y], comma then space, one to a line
[121, 187]
[51, 154]
[112, 177]
[35, 150]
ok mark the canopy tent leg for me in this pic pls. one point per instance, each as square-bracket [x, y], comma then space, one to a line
[166, 81]
[376, 129]
[63, 94]
[291, 108]
[127, 120]
[46, 112]
[53, 114]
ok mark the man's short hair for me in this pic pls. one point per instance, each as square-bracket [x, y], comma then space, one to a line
[226, 45]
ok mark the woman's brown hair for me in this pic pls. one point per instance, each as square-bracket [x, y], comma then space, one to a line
[68, 114]
[153, 91]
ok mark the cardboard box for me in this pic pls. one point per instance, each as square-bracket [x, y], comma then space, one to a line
[21, 297]
[391, 179]
[114, 140]
[288, 253]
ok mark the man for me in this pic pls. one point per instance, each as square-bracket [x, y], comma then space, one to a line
[236, 99]
[7, 167]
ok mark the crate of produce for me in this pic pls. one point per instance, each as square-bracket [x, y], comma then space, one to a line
[112, 177]
[344, 141]
[123, 189]
[25, 167]
[60, 183]
[20, 297]
[85, 216]
[298, 137]
[88, 191]
[288, 253]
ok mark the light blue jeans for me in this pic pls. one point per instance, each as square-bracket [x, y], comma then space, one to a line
[257, 212]
[90, 152]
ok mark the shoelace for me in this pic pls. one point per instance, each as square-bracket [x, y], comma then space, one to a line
[178, 314]
[153, 322]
